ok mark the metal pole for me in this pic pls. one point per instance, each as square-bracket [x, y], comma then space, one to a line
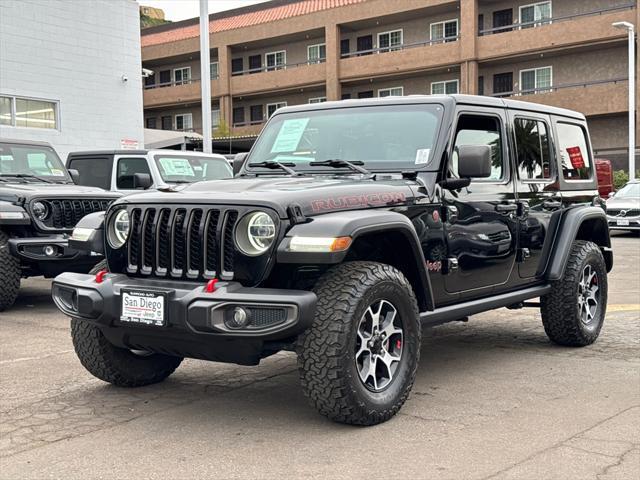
[632, 105]
[205, 75]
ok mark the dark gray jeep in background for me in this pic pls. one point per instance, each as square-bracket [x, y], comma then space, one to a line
[349, 227]
[39, 206]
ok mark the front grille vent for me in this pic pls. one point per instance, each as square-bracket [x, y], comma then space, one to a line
[66, 213]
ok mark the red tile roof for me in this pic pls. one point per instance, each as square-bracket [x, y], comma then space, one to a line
[244, 20]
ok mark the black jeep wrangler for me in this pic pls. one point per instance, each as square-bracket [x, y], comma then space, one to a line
[39, 206]
[349, 228]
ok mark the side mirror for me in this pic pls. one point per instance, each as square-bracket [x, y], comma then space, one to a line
[142, 181]
[238, 162]
[474, 161]
[75, 175]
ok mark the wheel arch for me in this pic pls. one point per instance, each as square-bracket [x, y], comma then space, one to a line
[580, 223]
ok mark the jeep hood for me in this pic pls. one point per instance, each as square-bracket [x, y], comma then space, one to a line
[24, 192]
[313, 194]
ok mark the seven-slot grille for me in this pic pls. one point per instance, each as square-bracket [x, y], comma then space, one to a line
[66, 213]
[182, 242]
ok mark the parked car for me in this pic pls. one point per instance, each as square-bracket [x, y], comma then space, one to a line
[128, 171]
[623, 208]
[350, 227]
[39, 206]
[604, 174]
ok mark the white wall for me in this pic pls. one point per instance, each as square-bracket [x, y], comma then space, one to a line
[75, 52]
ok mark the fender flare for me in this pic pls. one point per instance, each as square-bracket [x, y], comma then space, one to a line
[13, 210]
[355, 224]
[95, 241]
[567, 233]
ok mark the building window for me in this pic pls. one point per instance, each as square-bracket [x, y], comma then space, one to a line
[344, 47]
[317, 99]
[481, 85]
[536, 80]
[215, 118]
[150, 122]
[184, 122]
[366, 94]
[215, 66]
[446, 31]
[238, 116]
[388, 41]
[275, 60]
[257, 113]
[533, 149]
[255, 63]
[165, 78]
[167, 122]
[574, 152]
[448, 87]
[345, 96]
[150, 80]
[237, 66]
[182, 75]
[535, 14]
[28, 112]
[272, 107]
[317, 53]
[391, 92]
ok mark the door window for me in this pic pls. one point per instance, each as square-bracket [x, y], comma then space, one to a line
[366, 94]
[255, 63]
[317, 53]
[127, 167]
[184, 122]
[503, 84]
[503, 18]
[238, 116]
[448, 87]
[533, 150]
[365, 44]
[275, 60]
[256, 113]
[388, 41]
[167, 123]
[165, 78]
[237, 66]
[182, 75]
[480, 130]
[444, 31]
[535, 14]
[391, 92]
[344, 47]
[575, 157]
[150, 122]
[536, 80]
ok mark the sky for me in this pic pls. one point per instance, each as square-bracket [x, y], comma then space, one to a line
[176, 10]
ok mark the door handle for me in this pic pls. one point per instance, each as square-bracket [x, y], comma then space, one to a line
[506, 207]
[551, 204]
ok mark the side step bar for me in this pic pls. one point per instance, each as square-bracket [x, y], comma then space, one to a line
[455, 312]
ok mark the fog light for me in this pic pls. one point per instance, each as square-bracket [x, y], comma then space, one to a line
[50, 250]
[237, 318]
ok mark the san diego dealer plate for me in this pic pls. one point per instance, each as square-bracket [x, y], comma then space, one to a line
[140, 307]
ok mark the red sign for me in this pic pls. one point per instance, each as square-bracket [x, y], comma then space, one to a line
[576, 157]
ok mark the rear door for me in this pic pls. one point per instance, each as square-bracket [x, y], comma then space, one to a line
[480, 220]
[537, 188]
[94, 170]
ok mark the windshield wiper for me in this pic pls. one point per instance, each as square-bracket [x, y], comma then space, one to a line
[337, 163]
[26, 175]
[274, 165]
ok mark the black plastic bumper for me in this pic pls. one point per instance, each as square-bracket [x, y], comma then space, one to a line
[33, 249]
[194, 324]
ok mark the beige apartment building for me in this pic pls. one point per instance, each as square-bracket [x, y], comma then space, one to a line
[286, 52]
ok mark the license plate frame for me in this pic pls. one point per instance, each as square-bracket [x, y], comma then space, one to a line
[622, 222]
[146, 303]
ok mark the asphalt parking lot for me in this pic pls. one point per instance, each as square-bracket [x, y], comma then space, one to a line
[493, 399]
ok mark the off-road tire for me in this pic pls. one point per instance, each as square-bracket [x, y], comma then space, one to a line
[559, 308]
[118, 366]
[10, 274]
[326, 355]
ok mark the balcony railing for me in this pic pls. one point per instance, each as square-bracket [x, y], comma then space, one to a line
[554, 88]
[560, 18]
[248, 124]
[403, 46]
[171, 84]
[273, 68]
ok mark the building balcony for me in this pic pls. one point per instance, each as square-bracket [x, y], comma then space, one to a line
[165, 94]
[558, 32]
[283, 77]
[591, 99]
[247, 129]
[400, 59]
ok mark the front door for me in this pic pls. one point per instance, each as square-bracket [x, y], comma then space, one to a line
[481, 220]
[537, 188]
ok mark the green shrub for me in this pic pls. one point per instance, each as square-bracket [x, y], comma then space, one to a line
[620, 177]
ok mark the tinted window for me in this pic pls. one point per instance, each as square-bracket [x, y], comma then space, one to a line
[533, 149]
[127, 167]
[479, 130]
[574, 154]
[94, 172]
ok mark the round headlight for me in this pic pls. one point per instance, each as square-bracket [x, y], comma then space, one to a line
[118, 229]
[40, 210]
[255, 233]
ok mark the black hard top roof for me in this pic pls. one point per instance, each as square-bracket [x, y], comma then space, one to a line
[86, 153]
[446, 100]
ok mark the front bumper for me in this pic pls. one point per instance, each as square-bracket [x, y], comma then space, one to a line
[35, 249]
[194, 325]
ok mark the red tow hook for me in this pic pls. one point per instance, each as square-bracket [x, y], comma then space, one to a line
[100, 276]
[211, 285]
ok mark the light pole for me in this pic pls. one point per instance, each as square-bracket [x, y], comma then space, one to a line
[205, 76]
[632, 95]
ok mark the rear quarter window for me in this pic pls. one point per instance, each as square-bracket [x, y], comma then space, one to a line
[94, 172]
[575, 157]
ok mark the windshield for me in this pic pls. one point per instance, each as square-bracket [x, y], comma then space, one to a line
[628, 191]
[189, 169]
[32, 161]
[386, 137]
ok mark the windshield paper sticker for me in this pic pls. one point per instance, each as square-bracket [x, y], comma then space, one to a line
[177, 167]
[289, 135]
[57, 173]
[422, 156]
